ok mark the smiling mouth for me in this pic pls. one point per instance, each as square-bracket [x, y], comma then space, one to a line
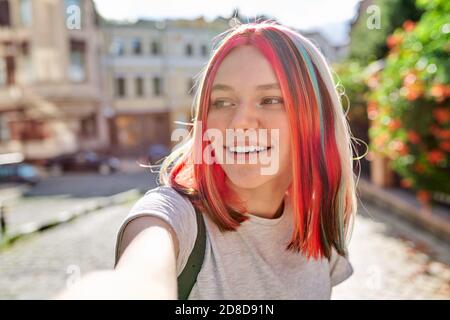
[247, 149]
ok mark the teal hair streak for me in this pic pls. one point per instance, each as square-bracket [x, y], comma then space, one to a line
[315, 83]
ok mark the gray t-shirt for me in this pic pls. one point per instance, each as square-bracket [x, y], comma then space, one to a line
[250, 263]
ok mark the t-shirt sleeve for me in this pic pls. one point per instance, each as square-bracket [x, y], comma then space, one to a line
[340, 268]
[166, 203]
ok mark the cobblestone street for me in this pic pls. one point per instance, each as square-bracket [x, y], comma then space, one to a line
[54, 195]
[392, 260]
[39, 266]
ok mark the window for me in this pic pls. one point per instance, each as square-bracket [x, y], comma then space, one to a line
[5, 19]
[25, 48]
[88, 126]
[136, 46]
[7, 70]
[120, 87]
[157, 84]
[28, 130]
[77, 67]
[188, 50]
[139, 85]
[10, 70]
[25, 12]
[155, 48]
[25, 62]
[204, 50]
[117, 47]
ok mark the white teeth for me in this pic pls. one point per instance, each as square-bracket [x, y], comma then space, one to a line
[244, 149]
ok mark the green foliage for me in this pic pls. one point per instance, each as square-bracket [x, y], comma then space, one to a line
[350, 76]
[409, 104]
[370, 44]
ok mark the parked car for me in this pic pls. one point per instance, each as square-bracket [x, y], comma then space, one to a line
[20, 172]
[83, 161]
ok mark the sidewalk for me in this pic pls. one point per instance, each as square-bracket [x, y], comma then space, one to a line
[32, 215]
[12, 191]
[56, 200]
[405, 205]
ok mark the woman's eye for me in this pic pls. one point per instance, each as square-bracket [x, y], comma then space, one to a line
[272, 100]
[221, 103]
[266, 101]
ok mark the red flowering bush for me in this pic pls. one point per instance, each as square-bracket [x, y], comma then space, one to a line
[409, 103]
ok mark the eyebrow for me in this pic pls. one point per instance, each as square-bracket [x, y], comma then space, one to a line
[225, 87]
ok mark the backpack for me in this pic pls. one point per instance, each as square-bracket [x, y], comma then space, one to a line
[188, 276]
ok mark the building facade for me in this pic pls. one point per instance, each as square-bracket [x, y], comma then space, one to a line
[149, 67]
[50, 84]
[70, 80]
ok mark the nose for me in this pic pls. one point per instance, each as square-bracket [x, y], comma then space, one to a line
[245, 117]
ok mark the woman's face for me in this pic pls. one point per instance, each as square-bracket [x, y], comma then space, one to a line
[247, 109]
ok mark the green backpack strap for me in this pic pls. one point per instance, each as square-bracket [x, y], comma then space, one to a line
[188, 276]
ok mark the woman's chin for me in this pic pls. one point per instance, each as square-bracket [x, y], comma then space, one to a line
[248, 178]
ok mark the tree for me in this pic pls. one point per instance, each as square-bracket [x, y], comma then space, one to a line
[370, 44]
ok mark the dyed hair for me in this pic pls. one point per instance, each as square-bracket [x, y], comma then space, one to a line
[322, 191]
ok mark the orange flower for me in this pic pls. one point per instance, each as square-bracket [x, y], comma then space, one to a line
[445, 134]
[414, 87]
[413, 137]
[409, 25]
[372, 110]
[423, 196]
[393, 40]
[435, 156]
[438, 91]
[403, 149]
[445, 146]
[381, 140]
[442, 115]
[414, 91]
[409, 79]
[399, 147]
[406, 183]
[394, 124]
[440, 133]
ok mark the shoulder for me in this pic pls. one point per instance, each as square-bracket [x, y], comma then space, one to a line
[161, 197]
[168, 204]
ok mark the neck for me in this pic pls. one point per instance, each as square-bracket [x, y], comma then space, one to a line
[266, 201]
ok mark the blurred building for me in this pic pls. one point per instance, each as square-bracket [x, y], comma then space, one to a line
[333, 53]
[150, 68]
[50, 90]
[70, 80]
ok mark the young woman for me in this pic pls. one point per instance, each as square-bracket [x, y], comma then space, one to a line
[277, 197]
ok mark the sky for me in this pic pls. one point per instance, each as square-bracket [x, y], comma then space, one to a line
[328, 16]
